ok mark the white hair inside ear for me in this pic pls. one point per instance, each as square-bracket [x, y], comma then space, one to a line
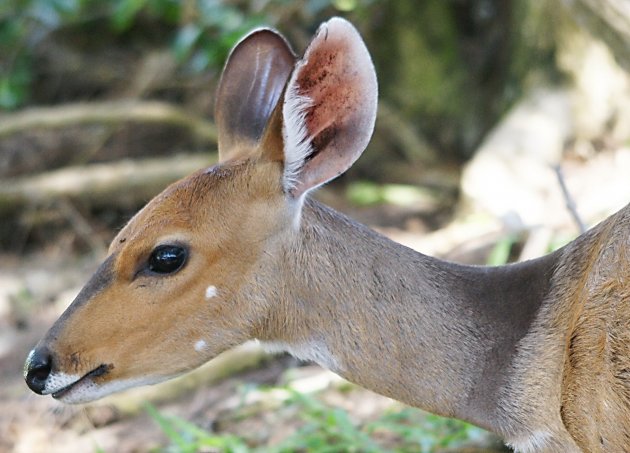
[329, 108]
[296, 135]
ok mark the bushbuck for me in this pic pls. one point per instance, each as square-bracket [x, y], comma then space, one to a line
[537, 352]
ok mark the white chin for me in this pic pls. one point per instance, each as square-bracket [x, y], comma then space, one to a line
[87, 390]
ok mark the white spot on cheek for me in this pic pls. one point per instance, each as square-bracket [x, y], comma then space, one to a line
[200, 345]
[211, 291]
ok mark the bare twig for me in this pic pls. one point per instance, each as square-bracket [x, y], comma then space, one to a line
[82, 227]
[411, 142]
[570, 203]
[126, 182]
[113, 112]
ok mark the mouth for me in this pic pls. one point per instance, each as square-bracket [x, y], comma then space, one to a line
[85, 379]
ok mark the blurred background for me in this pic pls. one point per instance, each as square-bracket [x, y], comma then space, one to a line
[503, 130]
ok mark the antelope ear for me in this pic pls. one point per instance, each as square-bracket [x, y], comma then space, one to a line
[329, 108]
[253, 79]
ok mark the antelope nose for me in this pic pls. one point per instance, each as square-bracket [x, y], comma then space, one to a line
[37, 369]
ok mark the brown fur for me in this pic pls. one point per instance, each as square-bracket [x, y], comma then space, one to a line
[161, 312]
[596, 382]
[568, 378]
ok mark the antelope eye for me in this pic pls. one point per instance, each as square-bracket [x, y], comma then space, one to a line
[167, 259]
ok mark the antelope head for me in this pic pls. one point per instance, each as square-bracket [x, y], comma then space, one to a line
[194, 272]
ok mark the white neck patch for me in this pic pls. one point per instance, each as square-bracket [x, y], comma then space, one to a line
[314, 351]
[536, 441]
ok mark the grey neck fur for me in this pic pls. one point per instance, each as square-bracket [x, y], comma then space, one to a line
[433, 334]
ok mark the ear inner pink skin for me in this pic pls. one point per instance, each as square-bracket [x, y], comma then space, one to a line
[337, 78]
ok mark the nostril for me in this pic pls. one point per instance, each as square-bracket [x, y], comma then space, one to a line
[37, 369]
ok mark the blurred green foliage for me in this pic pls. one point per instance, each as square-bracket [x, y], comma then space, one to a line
[204, 31]
[501, 252]
[186, 437]
[331, 430]
[449, 68]
[365, 193]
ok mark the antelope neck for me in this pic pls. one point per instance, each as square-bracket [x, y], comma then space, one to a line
[433, 334]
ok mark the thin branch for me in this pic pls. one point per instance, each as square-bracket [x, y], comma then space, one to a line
[127, 182]
[407, 137]
[569, 202]
[82, 227]
[111, 112]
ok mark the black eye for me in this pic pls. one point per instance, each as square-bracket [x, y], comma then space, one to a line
[167, 259]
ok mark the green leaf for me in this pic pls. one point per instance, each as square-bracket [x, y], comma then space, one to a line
[125, 13]
[185, 40]
[166, 426]
[363, 193]
[500, 254]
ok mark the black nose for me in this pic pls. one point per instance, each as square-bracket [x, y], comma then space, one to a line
[37, 369]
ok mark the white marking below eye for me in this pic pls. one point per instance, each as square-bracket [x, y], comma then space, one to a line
[200, 345]
[211, 291]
